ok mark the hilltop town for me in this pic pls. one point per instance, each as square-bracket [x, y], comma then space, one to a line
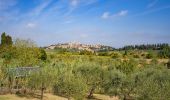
[80, 46]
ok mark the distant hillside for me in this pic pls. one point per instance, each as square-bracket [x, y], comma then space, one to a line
[80, 46]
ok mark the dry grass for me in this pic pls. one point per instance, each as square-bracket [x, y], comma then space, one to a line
[104, 97]
[16, 97]
[48, 96]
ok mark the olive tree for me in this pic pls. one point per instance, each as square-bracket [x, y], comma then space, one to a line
[93, 75]
[153, 84]
[118, 84]
[70, 86]
[27, 53]
[42, 79]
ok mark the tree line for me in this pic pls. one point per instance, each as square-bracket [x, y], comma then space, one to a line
[158, 46]
[24, 52]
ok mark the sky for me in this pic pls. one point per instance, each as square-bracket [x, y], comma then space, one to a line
[109, 22]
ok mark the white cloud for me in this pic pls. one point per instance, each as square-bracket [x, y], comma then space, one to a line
[31, 25]
[82, 2]
[74, 2]
[152, 10]
[121, 13]
[37, 10]
[153, 3]
[106, 15]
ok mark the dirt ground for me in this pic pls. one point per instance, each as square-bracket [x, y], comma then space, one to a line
[50, 97]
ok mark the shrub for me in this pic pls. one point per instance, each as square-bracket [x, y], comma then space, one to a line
[70, 86]
[168, 64]
[155, 86]
[92, 73]
[103, 54]
[115, 55]
[43, 55]
[149, 55]
[164, 53]
[136, 56]
[85, 52]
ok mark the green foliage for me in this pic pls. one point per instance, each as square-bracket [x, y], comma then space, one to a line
[61, 50]
[92, 74]
[3, 38]
[7, 52]
[125, 53]
[81, 75]
[43, 77]
[22, 53]
[103, 54]
[43, 55]
[115, 55]
[6, 40]
[85, 52]
[113, 82]
[136, 56]
[148, 83]
[70, 86]
[145, 47]
[165, 53]
[149, 55]
[168, 64]
[127, 66]
[9, 40]
[153, 85]
[119, 84]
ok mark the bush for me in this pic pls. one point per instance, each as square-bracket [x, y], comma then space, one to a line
[156, 86]
[70, 86]
[113, 82]
[103, 54]
[43, 55]
[168, 64]
[136, 56]
[149, 55]
[127, 67]
[92, 73]
[85, 52]
[165, 53]
[115, 55]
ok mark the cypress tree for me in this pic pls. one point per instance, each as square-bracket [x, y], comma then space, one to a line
[3, 38]
[6, 40]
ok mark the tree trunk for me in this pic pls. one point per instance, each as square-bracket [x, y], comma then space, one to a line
[17, 87]
[91, 92]
[1, 88]
[42, 91]
[126, 97]
[10, 84]
[69, 98]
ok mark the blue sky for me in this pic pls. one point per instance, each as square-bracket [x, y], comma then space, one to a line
[109, 22]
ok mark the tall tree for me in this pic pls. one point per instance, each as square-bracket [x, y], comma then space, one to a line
[43, 55]
[8, 40]
[3, 38]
